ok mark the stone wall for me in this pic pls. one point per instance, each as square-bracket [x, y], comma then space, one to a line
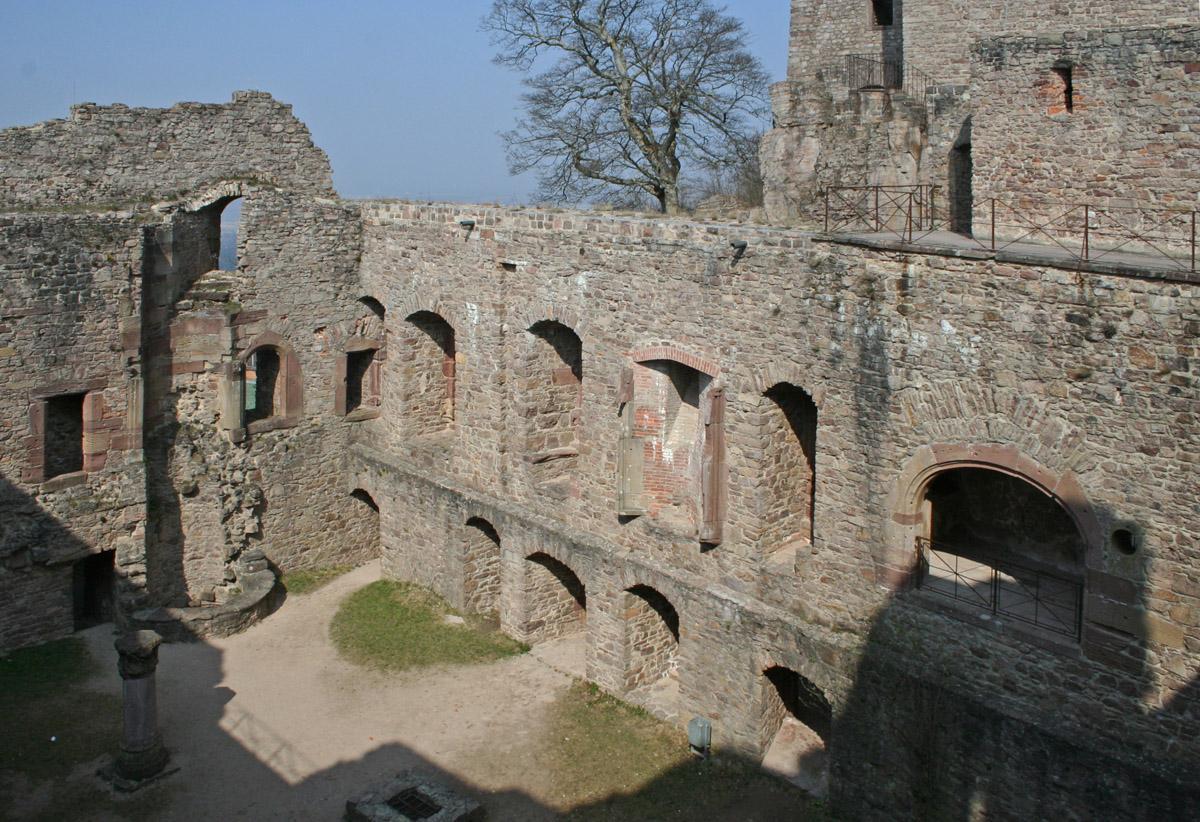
[1127, 143]
[117, 154]
[69, 287]
[126, 310]
[913, 362]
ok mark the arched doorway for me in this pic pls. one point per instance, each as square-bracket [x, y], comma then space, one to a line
[481, 567]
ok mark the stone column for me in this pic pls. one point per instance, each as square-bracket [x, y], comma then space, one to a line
[142, 753]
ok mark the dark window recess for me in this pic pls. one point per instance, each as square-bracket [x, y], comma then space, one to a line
[413, 804]
[882, 12]
[64, 435]
[357, 364]
[1067, 80]
[92, 583]
[262, 374]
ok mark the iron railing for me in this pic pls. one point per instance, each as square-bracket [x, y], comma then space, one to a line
[1134, 236]
[1001, 587]
[866, 72]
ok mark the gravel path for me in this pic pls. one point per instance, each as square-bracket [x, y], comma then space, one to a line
[273, 724]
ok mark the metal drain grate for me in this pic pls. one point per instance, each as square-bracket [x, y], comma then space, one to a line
[414, 804]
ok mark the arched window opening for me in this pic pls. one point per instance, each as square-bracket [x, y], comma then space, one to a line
[552, 388]
[428, 369]
[223, 227]
[651, 642]
[1000, 545]
[481, 567]
[790, 460]
[555, 601]
[672, 451]
[797, 722]
[262, 384]
[370, 323]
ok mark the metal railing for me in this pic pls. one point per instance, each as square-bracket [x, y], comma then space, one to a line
[1082, 232]
[906, 211]
[866, 72]
[1001, 587]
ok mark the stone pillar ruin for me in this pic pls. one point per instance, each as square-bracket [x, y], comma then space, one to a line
[142, 753]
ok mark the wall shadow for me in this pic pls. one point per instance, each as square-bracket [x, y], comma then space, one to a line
[946, 721]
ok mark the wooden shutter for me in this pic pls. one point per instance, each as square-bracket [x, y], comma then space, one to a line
[713, 477]
[630, 454]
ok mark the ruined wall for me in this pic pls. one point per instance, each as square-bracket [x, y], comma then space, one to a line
[124, 309]
[117, 154]
[1078, 385]
[69, 286]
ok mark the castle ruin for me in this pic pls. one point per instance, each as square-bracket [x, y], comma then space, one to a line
[914, 463]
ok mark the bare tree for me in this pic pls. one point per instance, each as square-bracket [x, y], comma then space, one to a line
[639, 89]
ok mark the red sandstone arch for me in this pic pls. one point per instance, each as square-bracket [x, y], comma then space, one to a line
[290, 409]
[908, 511]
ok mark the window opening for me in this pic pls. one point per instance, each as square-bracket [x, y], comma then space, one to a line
[261, 378]
[63, 443]
[1066, 83]
[227, 230]
[1001, 546]
[358, 363]
[882, 12]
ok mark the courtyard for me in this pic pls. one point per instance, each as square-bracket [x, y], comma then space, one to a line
[276, 723]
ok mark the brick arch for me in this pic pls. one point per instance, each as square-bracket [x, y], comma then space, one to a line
[785, 373]
[526, 316]
[981, 413]
[906, 519]
[417, 303]
[668, 351]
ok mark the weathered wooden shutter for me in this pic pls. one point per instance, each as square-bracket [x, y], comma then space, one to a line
[713, 478]
[630, 486]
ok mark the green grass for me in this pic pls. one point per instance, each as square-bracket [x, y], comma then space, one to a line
[48, 723]
[611, 761]
[396, 626]
[307, 580]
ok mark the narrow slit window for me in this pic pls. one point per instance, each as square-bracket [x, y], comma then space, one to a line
[1066, 82]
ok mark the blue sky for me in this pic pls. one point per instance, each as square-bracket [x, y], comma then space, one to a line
[402, 95]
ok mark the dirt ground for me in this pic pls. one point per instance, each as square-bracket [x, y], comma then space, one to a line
[275, 724]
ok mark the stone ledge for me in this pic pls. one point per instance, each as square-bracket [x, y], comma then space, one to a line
[260, 596]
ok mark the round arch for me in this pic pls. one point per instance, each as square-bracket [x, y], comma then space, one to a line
[909, 514]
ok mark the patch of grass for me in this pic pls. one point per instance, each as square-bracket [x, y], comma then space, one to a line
[608, 760]
[307, 580]
[395, 626]
[48, 723]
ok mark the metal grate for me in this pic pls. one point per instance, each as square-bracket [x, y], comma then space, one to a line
[413, 804]
[1004, 588]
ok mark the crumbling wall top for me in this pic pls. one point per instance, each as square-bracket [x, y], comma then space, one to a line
[117, 155]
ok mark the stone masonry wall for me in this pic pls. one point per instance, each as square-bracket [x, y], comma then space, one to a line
[69, 286]
[1079, 385]
[122, 308]
[117, 154]
[1128, 143]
